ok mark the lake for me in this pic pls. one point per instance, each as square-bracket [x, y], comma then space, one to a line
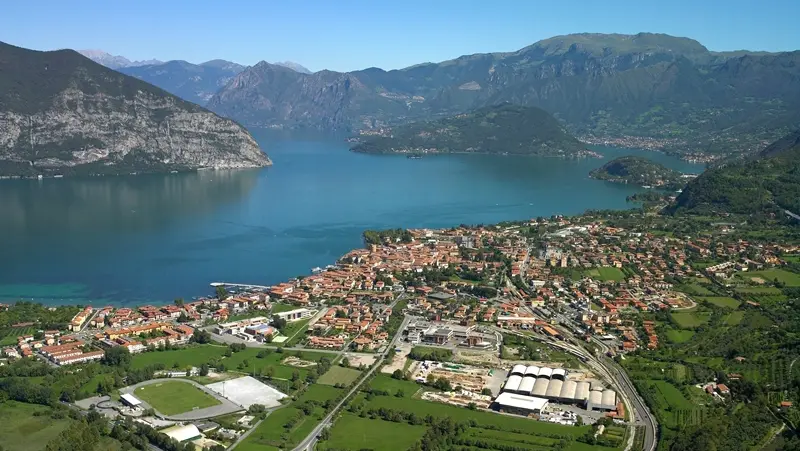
[152, 238]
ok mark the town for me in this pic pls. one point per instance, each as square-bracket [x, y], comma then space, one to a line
[524, 319]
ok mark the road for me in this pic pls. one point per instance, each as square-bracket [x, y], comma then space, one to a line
[309, 442]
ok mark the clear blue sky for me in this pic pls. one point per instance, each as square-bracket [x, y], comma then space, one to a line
[352, 34]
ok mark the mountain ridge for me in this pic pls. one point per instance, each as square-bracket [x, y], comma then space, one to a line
[645, 85]
[62, 113]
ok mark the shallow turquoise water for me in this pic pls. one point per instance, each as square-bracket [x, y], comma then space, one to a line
[152, 238]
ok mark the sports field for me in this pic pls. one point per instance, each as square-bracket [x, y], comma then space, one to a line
[339, 375]
[174, 397]
[606, 273]
[20, 430]
[352, 432]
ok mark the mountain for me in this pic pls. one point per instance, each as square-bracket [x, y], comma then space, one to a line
[654, 86]
[638, 171]
[114, 61]
[501, 129]
[767, 182]
[61, 113]
[294, 66]
[193, 82]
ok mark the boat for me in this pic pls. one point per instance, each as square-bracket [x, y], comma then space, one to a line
[414, 157]
[316, 270]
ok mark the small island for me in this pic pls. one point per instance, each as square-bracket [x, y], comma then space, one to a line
[501, 130]
[641, 172]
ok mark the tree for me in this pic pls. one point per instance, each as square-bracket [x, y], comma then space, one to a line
[472, 406]
[203, 370]
[201, 336]
[278, 322]
[179, 302]
[398, 374]
[345, 362]
[117, 356]
[222, 293]
[486, 392]
[183, 318]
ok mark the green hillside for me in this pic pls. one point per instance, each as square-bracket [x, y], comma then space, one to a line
[769, 182]
[638, 171]
[503, 129]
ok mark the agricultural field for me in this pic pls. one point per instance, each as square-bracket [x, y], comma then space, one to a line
[8, 336]
[679, 335]
[721, 301]
[672, 407]
[174, 397]
[767, 291]
[353, 432]
[694, 289]
[499, 431]
[339, 375]
[20, 430]
[690, 320]
[788, 278]
[734, 318]
[390, 385]
[287, 426]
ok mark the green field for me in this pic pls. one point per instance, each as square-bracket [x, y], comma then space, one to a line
[385, 383]
[352, 432]
[695, 289]
[758, 290]
[689, 320]
[20, 430]
[174, 397]
[734, 318]
[679, 336]
[244, 361]
[339, 375]
[605, 273]
[789, 278]
[502, 431]
[8, 336]
[320, 393]
[721, 301]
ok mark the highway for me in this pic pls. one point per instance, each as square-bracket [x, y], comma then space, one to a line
[310, 440]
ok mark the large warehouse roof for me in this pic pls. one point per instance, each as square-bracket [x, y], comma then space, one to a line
[513, 383]
[540, 387]
[609, 400]
[518, 369]
[554, 389]
[568, 390]
[532, 371]
[527, 384]
[531, 403]
[559, 372]
[545, 372]
[596, 398]
[582, 391]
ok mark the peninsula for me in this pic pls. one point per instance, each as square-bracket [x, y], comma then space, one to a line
[502, 130]
[639, 171]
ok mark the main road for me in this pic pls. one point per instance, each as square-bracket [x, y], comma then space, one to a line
[310, 440]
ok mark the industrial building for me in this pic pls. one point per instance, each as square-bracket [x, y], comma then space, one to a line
[520, 404]
[130, 400]
[552, 384]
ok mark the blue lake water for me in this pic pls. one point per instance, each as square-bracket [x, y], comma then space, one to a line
[152, 238]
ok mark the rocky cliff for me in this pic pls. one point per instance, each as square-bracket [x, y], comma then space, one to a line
[61, 113]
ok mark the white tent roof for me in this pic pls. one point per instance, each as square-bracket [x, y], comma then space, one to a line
[545, 372]
[527, 384]
[513, 383]
[532, 371]
[130, 399]
[518, 369]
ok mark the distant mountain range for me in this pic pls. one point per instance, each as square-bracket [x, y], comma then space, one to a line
[667, 88]
[502, 129]
[61, 113]
[114, 61]
[193, 82]
[768, 182]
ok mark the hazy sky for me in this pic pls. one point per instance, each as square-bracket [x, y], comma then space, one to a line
[352, 34]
